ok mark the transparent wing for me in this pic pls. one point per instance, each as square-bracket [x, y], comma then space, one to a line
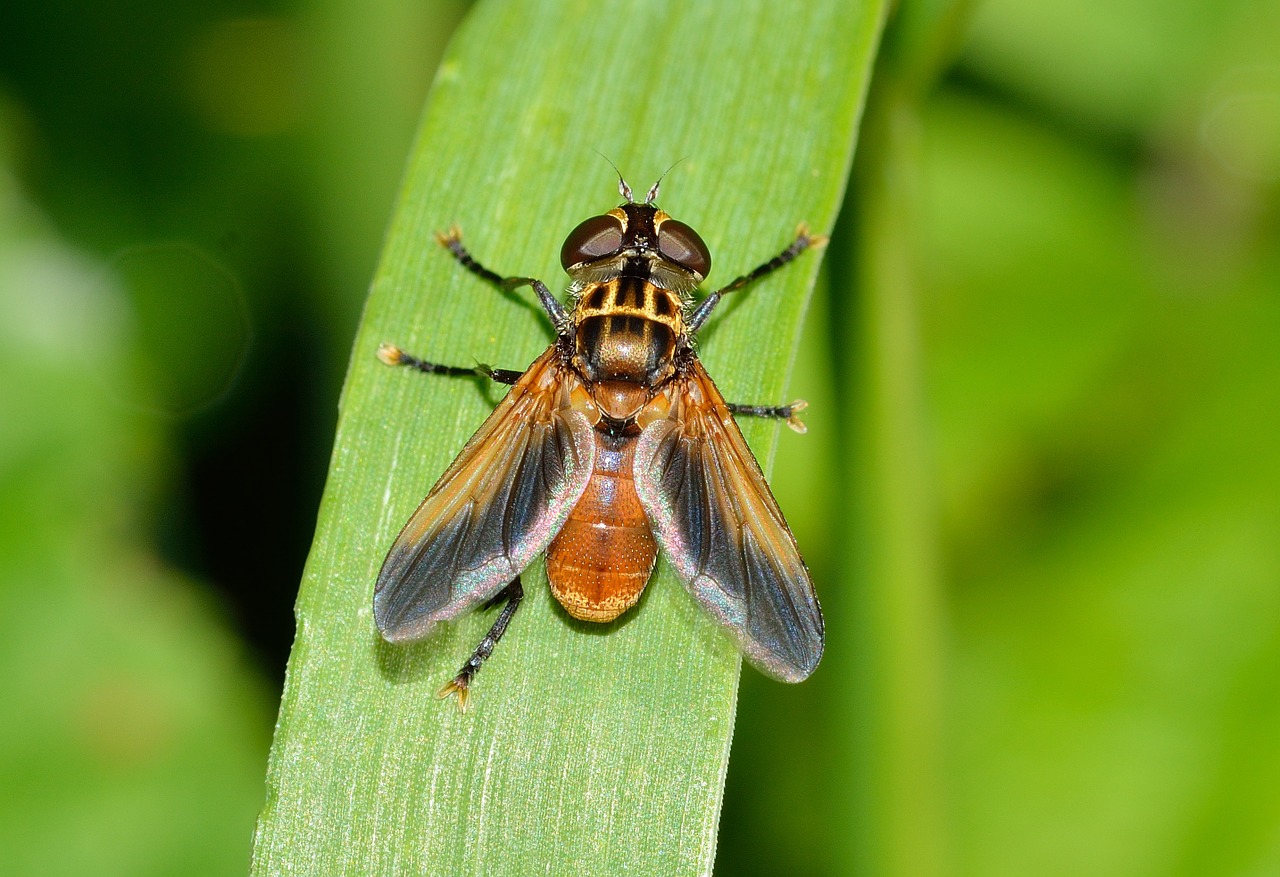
[496, 508]
[722, 530]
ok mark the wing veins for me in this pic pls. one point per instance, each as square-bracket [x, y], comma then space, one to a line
[493, 510]
[715, 517]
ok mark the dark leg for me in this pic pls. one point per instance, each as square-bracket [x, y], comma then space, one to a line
[789, 413]
[802, 242]
[453, 243]
[389, 354]
[461, 684]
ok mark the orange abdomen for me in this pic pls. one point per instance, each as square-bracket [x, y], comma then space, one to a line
[601, 559]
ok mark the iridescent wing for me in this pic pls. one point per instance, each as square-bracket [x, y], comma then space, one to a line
[722, 530]
[496, 508]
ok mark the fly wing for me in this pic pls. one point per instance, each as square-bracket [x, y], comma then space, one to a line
[722, 530]
[494, 510]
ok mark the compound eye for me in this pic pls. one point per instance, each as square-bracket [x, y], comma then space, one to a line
[681, 244]
[593, 239]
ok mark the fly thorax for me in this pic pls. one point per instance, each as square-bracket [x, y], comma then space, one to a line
[619, 347]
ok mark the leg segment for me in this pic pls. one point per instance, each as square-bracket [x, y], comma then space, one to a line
[789, 413]
[389, 354]
[802, 242]
[452, 241]
[461, 684]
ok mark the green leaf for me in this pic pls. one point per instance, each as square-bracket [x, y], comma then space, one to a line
[590, 748]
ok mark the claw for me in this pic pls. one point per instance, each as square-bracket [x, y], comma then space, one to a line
[389, 354]
[793, 420]
[803, 236]
[460, 686]
[448, 238]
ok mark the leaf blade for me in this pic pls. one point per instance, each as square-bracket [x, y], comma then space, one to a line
[591, 748]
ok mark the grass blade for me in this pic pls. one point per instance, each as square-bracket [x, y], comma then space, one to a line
[591, 748]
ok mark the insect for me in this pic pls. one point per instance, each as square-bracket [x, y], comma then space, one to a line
[612, 444]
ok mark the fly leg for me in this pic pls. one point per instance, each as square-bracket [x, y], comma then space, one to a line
[789, 413]
[803, 241]
[461, 684]
[389, 354]
[452, 241]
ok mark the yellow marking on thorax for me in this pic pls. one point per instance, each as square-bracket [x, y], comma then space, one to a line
[607, 300]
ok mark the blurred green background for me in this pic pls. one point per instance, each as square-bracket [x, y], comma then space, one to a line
[191, 203]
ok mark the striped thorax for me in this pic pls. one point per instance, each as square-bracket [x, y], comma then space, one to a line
[632, 270]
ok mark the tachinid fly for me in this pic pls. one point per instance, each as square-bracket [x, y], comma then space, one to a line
[614, 443]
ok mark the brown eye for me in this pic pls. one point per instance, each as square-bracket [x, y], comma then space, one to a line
[681, 245]
[593, 239]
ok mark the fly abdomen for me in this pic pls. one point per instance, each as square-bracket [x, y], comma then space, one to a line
[602, 557]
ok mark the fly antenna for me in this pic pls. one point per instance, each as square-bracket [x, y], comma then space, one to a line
[623, 189]
[653, 190]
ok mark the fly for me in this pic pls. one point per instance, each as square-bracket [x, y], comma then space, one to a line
[614, 443]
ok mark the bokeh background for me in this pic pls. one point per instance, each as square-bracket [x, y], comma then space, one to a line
[191, 202]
